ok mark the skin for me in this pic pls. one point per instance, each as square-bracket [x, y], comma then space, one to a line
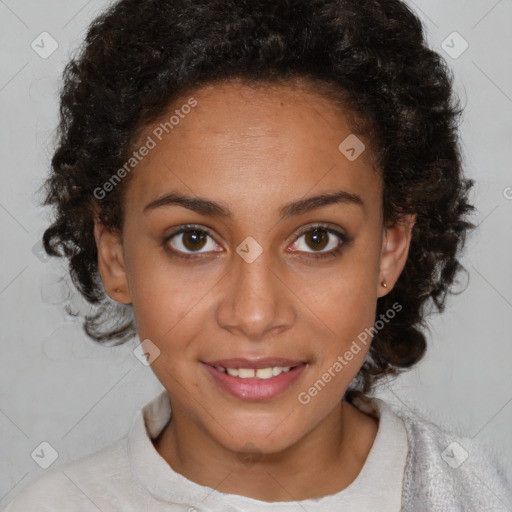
[254, 150]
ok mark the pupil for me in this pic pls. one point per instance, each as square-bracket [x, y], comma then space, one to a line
[195, 237]
[318, 236]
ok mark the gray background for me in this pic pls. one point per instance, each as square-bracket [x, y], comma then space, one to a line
[57, 386]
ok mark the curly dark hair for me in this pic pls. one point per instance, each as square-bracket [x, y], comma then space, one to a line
[369, 55]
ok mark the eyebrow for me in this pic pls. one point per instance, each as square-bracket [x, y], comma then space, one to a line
[214, 209]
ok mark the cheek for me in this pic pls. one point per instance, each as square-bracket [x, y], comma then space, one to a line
[341, 325]
[348, 314]
[162, 307]
[344, 306]
[157, 291]
[342, 302]
[172, 320]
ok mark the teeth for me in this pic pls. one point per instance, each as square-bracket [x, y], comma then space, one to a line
[251, 373]
[246, 373]
[264, 373]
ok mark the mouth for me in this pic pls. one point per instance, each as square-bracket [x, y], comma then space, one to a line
[255, 379]
[265, 368]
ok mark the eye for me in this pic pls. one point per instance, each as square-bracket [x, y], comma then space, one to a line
[190, 239]
[324, 240]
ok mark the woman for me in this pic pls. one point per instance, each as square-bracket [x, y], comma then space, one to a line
[274, 191]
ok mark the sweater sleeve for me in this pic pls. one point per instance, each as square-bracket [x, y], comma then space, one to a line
[51, 491]
[450, 472]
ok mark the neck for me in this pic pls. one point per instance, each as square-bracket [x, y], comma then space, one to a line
[324, 461]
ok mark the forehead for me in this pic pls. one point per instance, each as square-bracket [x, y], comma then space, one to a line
[265, 145]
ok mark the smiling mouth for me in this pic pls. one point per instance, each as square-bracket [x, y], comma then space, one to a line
[259, 373]
[262, 368]
[262, 383]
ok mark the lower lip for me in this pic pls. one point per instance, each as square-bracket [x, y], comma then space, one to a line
[255, 389]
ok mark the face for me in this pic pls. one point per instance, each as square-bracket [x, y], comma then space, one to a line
[249, 268]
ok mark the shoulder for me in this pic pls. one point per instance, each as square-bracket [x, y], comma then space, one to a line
[79, 485]
[446, 470]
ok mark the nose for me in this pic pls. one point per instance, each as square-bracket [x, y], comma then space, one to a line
[255, 300]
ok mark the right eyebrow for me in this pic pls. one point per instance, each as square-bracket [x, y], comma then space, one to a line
[196, 204]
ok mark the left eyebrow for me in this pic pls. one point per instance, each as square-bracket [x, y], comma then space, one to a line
[312, 203]
[212, 208]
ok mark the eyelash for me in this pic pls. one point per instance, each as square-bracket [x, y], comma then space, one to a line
[344, 241]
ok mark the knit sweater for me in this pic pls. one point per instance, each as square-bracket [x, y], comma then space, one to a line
[431, 469]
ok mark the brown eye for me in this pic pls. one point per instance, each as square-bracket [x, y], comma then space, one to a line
[317, 238]
[319, 241]
[193, 240]
[190, 240]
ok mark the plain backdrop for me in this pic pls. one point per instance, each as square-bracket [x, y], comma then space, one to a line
[61, 388]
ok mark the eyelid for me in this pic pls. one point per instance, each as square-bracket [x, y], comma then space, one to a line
[190, 227]
[326, 226]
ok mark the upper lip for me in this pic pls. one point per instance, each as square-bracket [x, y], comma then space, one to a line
[267, 362]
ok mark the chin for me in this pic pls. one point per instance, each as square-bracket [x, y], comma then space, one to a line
[257, 443]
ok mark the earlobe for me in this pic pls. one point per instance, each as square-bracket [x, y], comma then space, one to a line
[111, 262]
[395, 249]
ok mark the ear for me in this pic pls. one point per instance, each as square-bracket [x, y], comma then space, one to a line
[111, 262]
[395, 248]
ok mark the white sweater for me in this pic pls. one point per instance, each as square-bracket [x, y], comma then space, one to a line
[412, 466]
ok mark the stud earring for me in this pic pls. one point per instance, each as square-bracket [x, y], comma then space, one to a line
[384, 284]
